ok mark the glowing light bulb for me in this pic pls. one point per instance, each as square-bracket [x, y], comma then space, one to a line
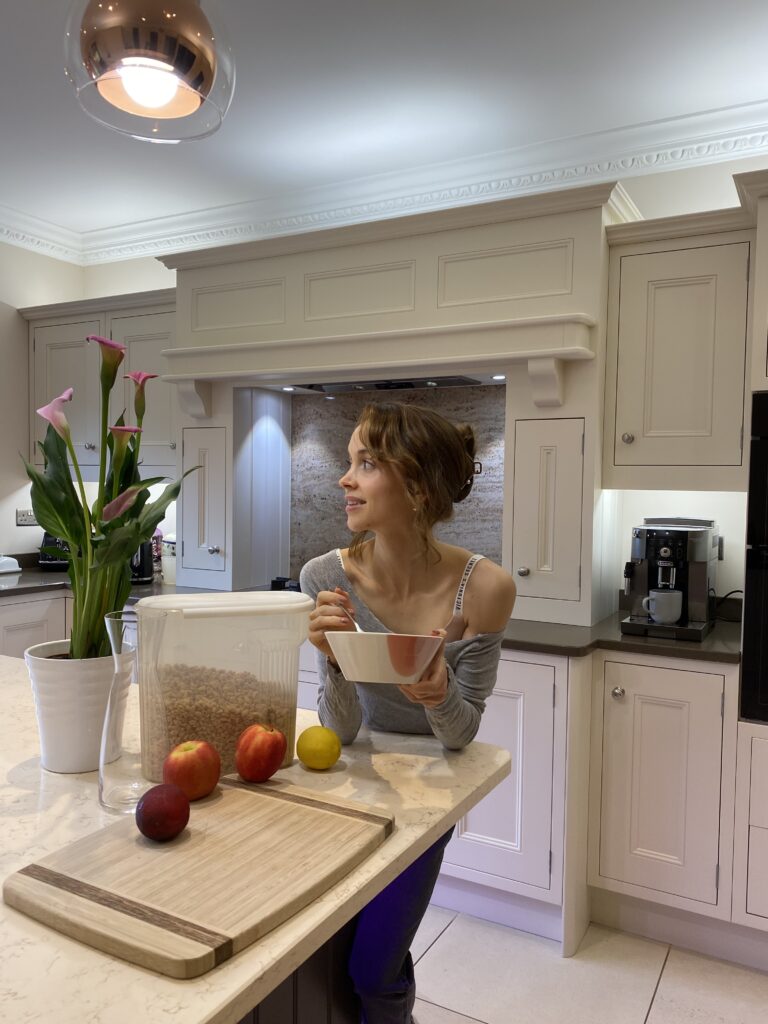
[149, 83]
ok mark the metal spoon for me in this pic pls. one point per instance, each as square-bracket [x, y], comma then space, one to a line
[351, 619]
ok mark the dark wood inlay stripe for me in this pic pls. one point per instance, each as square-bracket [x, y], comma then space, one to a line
[220, 944]
[308, 801]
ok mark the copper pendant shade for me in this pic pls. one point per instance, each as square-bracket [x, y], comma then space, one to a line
[160, 70]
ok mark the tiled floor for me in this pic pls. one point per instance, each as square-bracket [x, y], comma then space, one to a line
[470, 971]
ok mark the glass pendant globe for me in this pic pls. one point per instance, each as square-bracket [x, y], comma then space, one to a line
[156, 72]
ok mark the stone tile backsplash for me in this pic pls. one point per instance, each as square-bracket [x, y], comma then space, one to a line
[320, 432]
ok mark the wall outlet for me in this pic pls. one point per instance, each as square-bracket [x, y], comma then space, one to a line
[25, 517]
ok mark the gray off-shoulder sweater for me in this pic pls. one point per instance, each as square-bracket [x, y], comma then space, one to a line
[344, 706]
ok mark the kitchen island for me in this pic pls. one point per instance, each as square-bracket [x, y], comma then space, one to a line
[45, 976]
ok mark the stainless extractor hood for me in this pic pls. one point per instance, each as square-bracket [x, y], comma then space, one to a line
[411, 383]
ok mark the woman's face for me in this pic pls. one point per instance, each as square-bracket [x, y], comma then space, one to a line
[374, 492]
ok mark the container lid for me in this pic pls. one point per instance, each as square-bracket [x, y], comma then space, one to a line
[229, 603]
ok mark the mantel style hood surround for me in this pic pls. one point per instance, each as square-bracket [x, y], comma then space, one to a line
[471, 289]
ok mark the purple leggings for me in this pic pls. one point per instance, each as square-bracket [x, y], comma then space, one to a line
[380, 962]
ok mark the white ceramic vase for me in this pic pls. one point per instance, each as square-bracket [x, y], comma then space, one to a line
[70, 701]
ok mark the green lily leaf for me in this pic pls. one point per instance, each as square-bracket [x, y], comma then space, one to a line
[55, 502]
[121, 543]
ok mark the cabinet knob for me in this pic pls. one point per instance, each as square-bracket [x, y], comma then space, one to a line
[618, 692]
[89, 446]
[214, 550]
[523, 571]
[627, 438]
[173, 446]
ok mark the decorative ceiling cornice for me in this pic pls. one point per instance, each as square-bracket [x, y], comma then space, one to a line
[710, 137]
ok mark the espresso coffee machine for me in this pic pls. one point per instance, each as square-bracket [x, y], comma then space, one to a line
[673, 554]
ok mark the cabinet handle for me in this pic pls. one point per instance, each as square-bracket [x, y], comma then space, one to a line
[214, 550]
[173, 446]
[89, 446]
[618, 692]
[523, 571]
[627, 438]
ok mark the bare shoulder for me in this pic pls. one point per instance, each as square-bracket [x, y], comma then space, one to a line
[490, 598]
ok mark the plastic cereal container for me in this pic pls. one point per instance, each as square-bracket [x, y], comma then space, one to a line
[212, 664]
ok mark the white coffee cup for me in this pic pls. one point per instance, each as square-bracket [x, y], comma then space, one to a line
[664, 606]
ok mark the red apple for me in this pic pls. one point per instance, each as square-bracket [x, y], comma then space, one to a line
[195, 766]
[259, 753]
[162, 812]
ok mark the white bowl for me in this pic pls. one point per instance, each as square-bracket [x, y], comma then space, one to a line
[382, 657]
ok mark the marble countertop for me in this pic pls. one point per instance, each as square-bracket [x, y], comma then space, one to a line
[45, 975]
[722, 643]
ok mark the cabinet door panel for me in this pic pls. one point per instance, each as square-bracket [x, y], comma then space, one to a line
[546, 509]
[145, 337]
[660, 799]
[757, 872]
[28, 623]
[681, 352]
[63, 359]
[508, 833]
[758, 784]
[204, 499]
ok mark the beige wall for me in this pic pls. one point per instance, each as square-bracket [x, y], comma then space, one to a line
[30, 279]
[142, 275]
[26, 279]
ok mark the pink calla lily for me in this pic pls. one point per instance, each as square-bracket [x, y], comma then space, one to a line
[112, 354]
[54, 413]
[139, 378]
[121, 436]
[121, 503]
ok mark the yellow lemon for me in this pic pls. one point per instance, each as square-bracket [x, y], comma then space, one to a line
[318, 747]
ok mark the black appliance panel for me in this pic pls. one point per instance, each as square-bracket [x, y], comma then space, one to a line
[48, 561]
[142, 564]
[754, 657]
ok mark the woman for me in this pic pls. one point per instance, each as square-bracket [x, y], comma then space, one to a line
[408, 466]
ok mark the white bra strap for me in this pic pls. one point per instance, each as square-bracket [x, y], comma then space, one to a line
[457, 605]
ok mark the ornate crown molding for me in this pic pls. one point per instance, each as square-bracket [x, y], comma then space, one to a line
[564, 164]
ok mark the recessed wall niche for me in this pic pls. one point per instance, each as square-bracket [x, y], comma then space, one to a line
[320, 432]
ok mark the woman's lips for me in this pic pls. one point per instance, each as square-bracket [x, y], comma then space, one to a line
[351, 505]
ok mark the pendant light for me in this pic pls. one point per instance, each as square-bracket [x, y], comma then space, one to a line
[159, 70]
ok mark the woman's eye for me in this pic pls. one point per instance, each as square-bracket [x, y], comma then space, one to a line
[367, 464]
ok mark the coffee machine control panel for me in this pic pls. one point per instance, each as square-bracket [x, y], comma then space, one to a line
[665, 547]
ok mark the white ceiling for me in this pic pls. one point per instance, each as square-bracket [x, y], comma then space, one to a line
[354, 110]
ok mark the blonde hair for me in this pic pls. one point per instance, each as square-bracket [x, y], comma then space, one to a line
[435, 457]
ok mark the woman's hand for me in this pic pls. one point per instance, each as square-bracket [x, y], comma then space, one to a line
[431, 689]
[327, 615]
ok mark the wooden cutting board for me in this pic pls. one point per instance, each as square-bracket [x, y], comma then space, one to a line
[248, 860]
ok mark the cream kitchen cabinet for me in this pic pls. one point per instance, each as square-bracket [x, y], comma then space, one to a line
[676, 361]
[506, 841]
[750, 845]
[308, 683]
[33, 619]
[146, 336]
[203, 501]
[60, 357]
[520, 856]
[546, 508]
[661, 805]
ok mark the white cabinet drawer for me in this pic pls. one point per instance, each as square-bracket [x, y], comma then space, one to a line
[25, 623]
[757, 872]
[758, 785]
